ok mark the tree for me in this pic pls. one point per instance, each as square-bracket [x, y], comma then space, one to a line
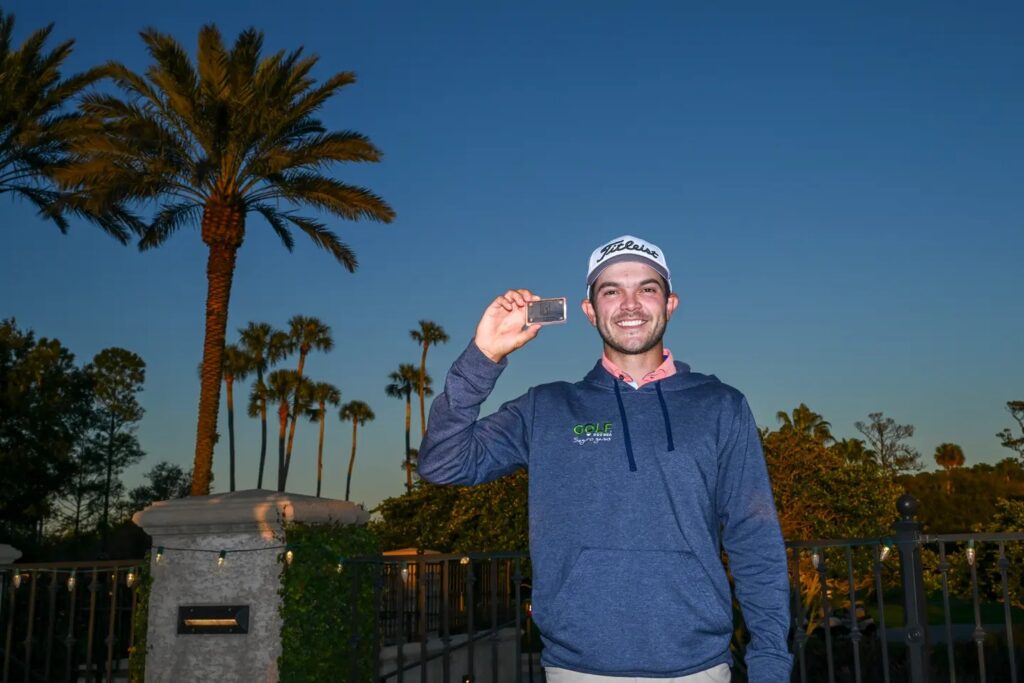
[359, 413]
[403, 383]
[264, 346]
[321, 394]
[806, 423]
[118, 376]
[236, 365]
[1008, 440]
[949, 456]
[166, 481]
[35, 128]
[305, 334]
[429, 334]
[886, 439]
[210, 143]
[279, 388]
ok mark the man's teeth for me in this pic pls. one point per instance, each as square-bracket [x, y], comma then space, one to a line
[630, 323]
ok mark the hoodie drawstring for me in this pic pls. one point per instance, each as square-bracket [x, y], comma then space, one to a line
[664, 414]
[625, 429]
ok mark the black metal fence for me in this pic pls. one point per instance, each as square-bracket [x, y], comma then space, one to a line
[67, 621]
[904, 608]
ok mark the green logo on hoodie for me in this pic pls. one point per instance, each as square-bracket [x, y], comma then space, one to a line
[592, 428]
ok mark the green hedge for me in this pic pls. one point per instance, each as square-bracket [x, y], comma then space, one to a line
[319, 619]
[140, 623]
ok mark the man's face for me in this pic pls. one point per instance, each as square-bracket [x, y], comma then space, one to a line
[630, 308]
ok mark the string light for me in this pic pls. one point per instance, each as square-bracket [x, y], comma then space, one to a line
[16, 580]
[222, 557]
[159, 553]
[341, 564]
[71, 582]
[464, 560]
[815, 558]
[884, 553]
[289, 556]
[130, 579]
[970, 552]
[405, 571]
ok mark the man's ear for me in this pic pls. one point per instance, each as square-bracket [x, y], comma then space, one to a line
[670, 305]
[588, 310]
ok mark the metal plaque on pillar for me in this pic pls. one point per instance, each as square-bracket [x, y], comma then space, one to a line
[213, 619]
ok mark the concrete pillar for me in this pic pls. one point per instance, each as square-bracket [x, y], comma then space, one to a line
[192, 532]
[8, 554]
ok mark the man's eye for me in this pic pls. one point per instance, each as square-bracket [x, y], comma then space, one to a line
[609, 292]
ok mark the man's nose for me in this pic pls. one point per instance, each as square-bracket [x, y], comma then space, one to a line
[630, 301]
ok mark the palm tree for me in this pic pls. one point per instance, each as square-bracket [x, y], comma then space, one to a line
[321, 394]
[211, 143]
[807, 423]
[404, 382]
[236, 366]
[360, 414]
[279, 388]
[35, 134]
[429, 334]
[949, 456]
[264, 346]
[305, 333]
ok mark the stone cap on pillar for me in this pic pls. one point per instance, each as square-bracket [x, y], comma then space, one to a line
[8, 554]
[255, 510]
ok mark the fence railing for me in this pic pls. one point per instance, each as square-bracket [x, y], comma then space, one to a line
[67, 621]
[904, 608]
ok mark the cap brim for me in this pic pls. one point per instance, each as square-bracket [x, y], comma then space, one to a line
[656, 267]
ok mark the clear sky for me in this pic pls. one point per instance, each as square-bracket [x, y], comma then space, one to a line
[837, 188]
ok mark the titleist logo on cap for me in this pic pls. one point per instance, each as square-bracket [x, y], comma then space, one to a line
[622, 245]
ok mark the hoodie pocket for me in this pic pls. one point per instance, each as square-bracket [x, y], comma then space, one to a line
[639, 611]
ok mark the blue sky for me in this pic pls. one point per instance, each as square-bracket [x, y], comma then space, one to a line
[836, 188]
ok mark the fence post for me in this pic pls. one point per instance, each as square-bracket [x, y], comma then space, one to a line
[915, 607]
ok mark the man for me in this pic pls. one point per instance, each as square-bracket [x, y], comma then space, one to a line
[639, 475]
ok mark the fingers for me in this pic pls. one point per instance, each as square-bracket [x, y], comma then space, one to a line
[514, 298]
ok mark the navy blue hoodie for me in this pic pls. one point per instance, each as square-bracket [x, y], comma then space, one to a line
[632, 494]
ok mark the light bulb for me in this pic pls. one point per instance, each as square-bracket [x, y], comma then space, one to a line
[405, 571]
[17, 580]
[815, 558]
[970, 552]
[71, 582]
[884, 553]
[464, 560]
[222, 558]
[289, 556]
[130, 579]
[159, 554]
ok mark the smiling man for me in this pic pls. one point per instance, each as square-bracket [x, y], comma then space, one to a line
[640, 474]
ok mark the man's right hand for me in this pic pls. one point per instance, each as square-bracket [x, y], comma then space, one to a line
[502, 329]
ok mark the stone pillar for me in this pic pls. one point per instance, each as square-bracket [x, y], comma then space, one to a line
[192, 532]
[8, 554]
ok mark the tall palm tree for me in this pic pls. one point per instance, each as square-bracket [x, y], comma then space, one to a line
[36, 130]
[359, 413]
[949, 456]
[264, 346]
[404, 382]
[805, 422]
[236, 366]
[279, 388]
[305, 333]
[429, 334]
[210, 143]
[321, 394]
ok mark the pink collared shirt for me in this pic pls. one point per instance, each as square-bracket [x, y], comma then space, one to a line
[666, 369]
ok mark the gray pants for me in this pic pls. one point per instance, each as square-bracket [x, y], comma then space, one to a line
[716, 674]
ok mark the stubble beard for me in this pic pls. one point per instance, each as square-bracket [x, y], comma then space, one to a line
[656, 336]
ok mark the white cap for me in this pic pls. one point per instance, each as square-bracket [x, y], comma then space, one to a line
[627, 248]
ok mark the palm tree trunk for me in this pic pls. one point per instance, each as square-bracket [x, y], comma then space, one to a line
[408, 448]
[295, 414]
[423, 389]
[229, 381]
[320, 450]
[223, 228]
[263, 430]
[352, 458]
[282, 414]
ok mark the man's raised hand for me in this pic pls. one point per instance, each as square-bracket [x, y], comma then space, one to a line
[503, 329]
